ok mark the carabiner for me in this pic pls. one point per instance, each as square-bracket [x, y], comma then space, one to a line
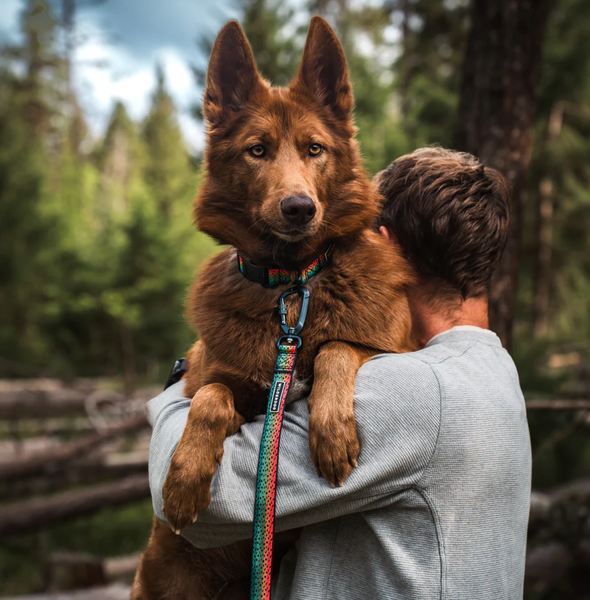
[302, 312]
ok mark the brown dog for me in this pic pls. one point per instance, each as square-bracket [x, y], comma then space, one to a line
[283, 182]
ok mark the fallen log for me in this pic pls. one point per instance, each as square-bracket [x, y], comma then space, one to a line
[58, 427]
[74, 571]
[95, 469]
[115, 591]
[44, 403]
[543, 502]
[43, 399]
[36, 514]
[558, 404]
[550, 565]
[50, 461]
[121, 567]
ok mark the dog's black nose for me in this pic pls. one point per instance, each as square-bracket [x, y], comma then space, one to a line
[299, 210]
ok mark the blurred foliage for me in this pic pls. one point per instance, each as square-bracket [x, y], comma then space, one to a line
[96, 238]
[111, 532]
[97, 246]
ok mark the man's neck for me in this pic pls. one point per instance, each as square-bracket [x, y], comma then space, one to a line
[431, 318]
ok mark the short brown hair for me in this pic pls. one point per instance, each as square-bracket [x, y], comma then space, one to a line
[450, 215]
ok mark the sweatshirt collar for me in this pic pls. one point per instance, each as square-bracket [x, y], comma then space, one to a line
[463, 333]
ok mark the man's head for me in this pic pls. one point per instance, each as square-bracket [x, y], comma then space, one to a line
[449, 214]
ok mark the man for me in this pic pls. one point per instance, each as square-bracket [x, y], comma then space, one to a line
[439, 503]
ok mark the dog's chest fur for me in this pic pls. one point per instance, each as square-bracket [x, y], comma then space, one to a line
[358, 298]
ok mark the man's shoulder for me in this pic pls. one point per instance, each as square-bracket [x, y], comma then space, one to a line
[397, 405]
[400, 382]
[417, 377]
[460, 365]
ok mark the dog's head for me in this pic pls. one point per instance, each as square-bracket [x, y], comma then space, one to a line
[283, 172]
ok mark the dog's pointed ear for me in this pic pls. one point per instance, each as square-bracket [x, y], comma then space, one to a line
[232, 77]
[323, 71]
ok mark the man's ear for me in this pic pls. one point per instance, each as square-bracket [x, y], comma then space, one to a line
[390, 237]
[323, 72]
[232, 77]
[385, 232]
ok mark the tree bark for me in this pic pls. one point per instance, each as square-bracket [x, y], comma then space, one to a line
[496, 112]
[545, 231]
[544, 252]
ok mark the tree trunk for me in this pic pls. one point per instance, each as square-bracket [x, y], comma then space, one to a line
[545, 231]
[496, 112]
[406, 79]
[543, 271]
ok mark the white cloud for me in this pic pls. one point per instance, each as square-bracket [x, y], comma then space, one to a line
[128, 72]
[119, 43]
[9, 16]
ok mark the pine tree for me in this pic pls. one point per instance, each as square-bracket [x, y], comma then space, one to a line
[276, 52]
[42, 85]
[28, 238]
[121, 160]
[429, 68]
[30, 229]
[168, 170]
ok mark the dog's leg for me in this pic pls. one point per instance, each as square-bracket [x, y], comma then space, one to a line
[212, 417]
[333, 441]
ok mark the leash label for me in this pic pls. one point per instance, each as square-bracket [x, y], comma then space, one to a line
[277, 394]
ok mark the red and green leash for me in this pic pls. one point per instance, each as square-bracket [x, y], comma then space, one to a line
[268, 460]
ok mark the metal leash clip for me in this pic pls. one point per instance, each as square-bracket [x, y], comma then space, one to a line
[294, 331]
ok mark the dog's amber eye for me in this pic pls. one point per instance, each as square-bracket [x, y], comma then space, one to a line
[315, 150]
[257, 151]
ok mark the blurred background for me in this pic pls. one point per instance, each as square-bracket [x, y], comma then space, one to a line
[101, 138]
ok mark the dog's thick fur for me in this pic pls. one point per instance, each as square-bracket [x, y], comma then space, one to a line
[358, 306]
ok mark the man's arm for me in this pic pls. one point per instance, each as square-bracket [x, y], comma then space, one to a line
[397, 408]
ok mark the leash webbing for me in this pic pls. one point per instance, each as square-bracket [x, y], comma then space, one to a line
[268, 460]
[266, 481]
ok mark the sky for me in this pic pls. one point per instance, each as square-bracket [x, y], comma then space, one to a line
[129, 37]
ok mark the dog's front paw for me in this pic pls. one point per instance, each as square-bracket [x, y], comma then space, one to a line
[334, 447]
[187, 489]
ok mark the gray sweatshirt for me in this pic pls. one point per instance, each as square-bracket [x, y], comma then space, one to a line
[439, 503]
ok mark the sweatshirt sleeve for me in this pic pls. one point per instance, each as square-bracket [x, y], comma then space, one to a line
[397, 409]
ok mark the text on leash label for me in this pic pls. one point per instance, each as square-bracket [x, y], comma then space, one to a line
[277, 394]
